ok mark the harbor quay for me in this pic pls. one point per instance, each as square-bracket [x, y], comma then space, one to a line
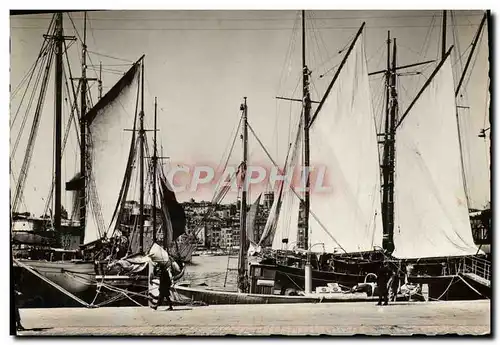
[337, 319]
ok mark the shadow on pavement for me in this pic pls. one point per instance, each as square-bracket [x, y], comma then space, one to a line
[178, 309]
[35, 329]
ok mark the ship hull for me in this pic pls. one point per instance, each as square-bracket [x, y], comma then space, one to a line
[213, 297]
[77, 278]
[101, 290]
[73, 276]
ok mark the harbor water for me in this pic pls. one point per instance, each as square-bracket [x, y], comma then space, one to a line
[211, 270]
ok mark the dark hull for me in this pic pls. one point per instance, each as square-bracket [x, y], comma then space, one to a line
[80, 280]
[73, 276]
[212, 297]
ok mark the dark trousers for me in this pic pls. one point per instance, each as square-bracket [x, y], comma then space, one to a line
[383, 294]
[394, 288]
[164, 294]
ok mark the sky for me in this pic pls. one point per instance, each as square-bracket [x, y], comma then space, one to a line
[200, 65]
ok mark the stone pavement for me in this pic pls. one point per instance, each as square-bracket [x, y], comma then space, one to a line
[401, 318]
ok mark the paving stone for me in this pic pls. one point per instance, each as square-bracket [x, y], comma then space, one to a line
[401, 318]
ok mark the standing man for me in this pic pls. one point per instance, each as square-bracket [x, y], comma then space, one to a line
[394, 284]
[165, 285]
[383, 276]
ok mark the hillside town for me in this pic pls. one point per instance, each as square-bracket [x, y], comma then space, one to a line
[216, 227]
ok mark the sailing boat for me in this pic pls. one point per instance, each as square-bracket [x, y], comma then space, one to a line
[51, 266]
[102, 151]
[255, 281]
[348, 222]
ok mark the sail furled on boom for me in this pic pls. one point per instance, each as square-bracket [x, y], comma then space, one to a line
[172, 212]
[431, 213]
[343, 139]
[111, 143]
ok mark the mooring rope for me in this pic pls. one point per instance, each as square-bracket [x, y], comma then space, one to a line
[480, 294]
[48, 281]
[122, 293]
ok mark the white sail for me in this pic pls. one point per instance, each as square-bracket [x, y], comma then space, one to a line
[431, 214]
[287, 223]
[110, 147]
[347, 216]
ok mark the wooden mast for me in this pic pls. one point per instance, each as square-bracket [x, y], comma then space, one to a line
[385, 164]
[443, 46]
[141, 165]
[243, 206]
[155, 159]
[391, 145]
[306, 99]
[58, 119]
[83, 135]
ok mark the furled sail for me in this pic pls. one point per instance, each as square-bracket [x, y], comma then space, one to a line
[251, 218]
[111, 152]
[284, 190]
[267, 236]
[431, 213]
[346, 217]
[287, 224]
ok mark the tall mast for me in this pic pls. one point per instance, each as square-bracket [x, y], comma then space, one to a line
[307, 110]
[443, 46]
[155, 159]
[58, 120]
[141, 165]
[243, 206]
[83, 135]
[389, 147]
[392, 150]
[386, 165]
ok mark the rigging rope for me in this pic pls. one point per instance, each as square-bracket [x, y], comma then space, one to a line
[426, 43]
[46, 64]
[48, 281]
[66, 134]
[43, 52]
[317, 33]
[236, 135]
[32, 137]
[109, 56]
